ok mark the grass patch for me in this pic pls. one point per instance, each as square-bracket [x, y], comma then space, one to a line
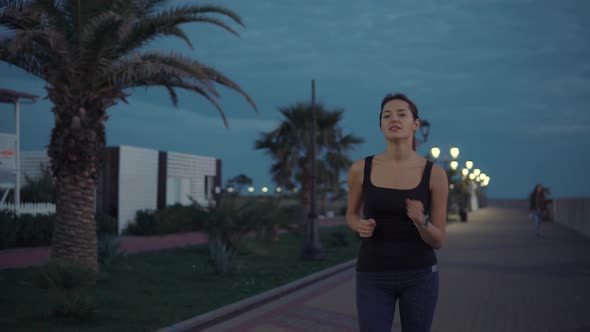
[145, 292]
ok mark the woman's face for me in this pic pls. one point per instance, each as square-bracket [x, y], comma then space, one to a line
[397, 121]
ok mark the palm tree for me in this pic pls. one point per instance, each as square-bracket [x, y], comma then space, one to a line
[90, 53]
[290, 147]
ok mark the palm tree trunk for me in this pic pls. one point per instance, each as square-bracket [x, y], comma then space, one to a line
[306, 195]
[76, 151]
[74, 235]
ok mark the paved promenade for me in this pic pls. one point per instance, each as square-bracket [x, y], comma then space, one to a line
[495, 274]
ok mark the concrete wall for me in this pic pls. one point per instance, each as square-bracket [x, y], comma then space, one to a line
[138, 182]
[30, 164]
[186, 176]
[573, 213]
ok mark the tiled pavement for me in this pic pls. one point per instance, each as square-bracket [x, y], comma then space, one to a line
[495, 276]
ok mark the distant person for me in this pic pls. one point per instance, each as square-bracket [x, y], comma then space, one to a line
[404, 207]
[537, 202]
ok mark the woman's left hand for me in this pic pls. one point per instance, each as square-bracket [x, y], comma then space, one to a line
[415, 211]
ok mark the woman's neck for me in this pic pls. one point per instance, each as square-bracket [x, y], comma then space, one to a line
[399, 152]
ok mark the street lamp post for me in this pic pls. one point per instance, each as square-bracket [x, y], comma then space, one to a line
[312, 249]
[424, 132]
[457, 186]
[453, 152]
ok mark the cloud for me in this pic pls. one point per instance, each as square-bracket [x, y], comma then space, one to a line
[157, 115]
[573, 128]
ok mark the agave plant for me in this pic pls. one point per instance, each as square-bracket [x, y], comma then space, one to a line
[90, 53]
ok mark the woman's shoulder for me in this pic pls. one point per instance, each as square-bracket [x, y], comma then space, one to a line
[358, 165]
[438, 176]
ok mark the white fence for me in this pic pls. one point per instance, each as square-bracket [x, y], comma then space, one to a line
[30, 208]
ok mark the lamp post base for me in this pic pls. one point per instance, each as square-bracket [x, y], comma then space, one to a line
[463, 215]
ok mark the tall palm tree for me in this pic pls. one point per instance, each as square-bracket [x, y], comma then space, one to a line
[290, 147]
[90, 53]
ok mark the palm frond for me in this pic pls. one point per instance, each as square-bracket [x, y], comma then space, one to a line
[226, 81]
[349, 140]
[38, 47]
[290, 145]
[150, 76]
[192, 68]
[96, 39]
[217, 10]
[44, 42]
[17, 15]
[177, 32]
[153, 64]
[166, 22]
[53, 12]
[173, 95]
[27, 62]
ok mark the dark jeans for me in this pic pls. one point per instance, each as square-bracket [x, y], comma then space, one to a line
[378, 292]
[537, 216]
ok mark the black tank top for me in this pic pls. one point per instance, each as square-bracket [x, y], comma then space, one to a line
[396, 243]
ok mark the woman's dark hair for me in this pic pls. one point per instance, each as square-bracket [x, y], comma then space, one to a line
[413, 109]
[536, 195]
[534, 192]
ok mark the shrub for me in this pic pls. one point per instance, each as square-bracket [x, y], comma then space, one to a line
[25, 230]
[106, 225]
[108, 249]
[173, 219]
[221, 258]
[65, 280]
[8, 230]
[29, 230]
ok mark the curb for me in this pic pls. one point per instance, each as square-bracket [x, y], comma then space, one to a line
[210, 318]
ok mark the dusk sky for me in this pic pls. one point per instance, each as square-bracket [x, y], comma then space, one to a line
[506, 81]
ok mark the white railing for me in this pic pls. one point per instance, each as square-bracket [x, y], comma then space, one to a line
[30, 208]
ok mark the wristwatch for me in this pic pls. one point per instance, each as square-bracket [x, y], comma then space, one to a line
[426, 221]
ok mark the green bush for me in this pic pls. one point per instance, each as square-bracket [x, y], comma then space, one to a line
[236, 219]
[75, 306]
[8, 230]
[65, 280]
[35, 230]
[25, 230]
[29, 230]
[179, 218]
[221, 258]
[106, 225]
[232, 220]
[145, 224]
[108, 249]
[173, 219]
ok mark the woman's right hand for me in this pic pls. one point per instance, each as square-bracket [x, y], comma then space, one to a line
[365, 227]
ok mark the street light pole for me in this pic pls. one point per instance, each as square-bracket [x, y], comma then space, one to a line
[312, 249]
